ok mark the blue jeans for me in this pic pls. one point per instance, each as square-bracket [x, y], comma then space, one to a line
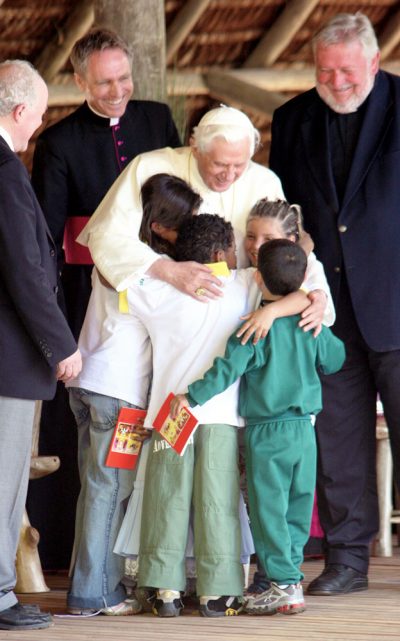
[97, 571]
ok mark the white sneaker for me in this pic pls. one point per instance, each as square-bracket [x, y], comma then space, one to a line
[167, 603]
[287, 600]
[123, 609]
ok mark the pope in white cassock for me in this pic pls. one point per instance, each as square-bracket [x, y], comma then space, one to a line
[217, 165]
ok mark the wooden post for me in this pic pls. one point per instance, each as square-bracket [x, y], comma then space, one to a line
[142, 24]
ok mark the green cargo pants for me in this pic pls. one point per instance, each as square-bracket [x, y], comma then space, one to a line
[207, 478]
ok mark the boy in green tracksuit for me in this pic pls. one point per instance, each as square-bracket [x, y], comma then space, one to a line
[279, 390]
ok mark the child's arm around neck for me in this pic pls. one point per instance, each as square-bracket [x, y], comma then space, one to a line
[258, 323]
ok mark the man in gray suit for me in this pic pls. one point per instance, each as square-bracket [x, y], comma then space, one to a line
[36, 345]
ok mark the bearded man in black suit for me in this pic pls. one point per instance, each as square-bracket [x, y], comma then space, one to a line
[336, 149]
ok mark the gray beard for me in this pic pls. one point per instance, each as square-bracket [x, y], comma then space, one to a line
[351, 105]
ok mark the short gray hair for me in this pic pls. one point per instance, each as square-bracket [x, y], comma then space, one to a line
[97, 39]
[18, 85]
[228, 123]
[348, 27]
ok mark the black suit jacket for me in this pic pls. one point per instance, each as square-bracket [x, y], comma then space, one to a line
[75, 163]
[77, 160]
[360, 235]
[34, 335]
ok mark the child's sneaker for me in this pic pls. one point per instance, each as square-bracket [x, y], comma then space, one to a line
[287, 600]
[146, 598]
[125, 608]
[83, 612]
[254, 589]
[167, 603]
[220, 606]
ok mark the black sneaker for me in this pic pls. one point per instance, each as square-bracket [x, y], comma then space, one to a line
[167, 603]
[146, 597]
[220, 606]
[257, 588]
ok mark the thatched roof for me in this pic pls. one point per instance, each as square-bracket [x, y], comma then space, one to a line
[253, 54]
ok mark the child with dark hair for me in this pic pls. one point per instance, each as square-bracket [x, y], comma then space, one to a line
[116, 372]
[270, 220]
[209, 235]
[279, 389]
[186, 334]
[167, 201]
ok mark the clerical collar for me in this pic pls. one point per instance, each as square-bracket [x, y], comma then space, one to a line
[112, 121]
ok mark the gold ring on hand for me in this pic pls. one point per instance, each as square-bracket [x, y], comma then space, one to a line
[200, 291]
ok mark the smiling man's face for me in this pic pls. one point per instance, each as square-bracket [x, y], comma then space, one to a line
[107, 82]
[345, 75]
[223, 163]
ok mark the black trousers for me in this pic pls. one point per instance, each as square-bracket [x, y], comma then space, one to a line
[346, 478]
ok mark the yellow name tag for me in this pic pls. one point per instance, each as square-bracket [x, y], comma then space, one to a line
[219, 269]
[123, 306]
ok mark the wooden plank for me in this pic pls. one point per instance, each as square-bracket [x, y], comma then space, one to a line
[292, 79]
[56, 53]
[67, 94]
[390, 37]
[230, 88]
[280, 34]
[372, 615]
[182, 25]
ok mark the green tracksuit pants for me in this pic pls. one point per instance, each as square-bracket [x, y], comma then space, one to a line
[281, 471]
[207, 478]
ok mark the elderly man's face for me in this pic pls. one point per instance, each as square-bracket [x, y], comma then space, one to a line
[345, 76]
[107, 83]
[30, 117]
[223, 163]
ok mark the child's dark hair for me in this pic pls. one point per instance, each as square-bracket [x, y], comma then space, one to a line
[167, 200]
[199, 237]
[288, 215]
[282, 265]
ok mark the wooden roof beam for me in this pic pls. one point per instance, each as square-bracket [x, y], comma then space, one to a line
[293, 79]
[281, 33]
[390, 36]
[66, 93]
[183, 25]
[56, 53]
[229, 87]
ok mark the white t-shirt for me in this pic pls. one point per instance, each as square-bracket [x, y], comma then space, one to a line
[187, 335]
[115, 347]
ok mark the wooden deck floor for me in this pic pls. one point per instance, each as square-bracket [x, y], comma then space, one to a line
[373, 615]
